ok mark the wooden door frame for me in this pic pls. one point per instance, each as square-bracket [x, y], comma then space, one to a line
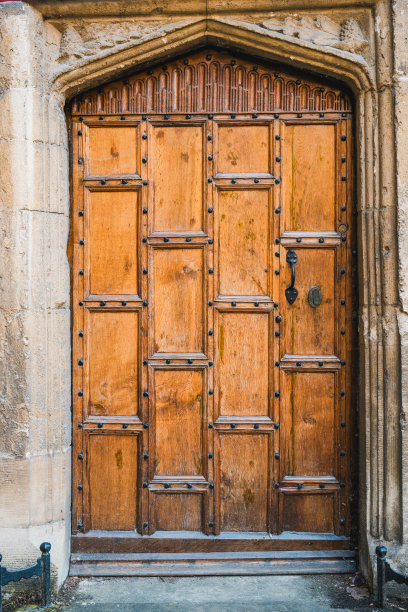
[374, 388]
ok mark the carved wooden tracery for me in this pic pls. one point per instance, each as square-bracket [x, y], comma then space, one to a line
[211, 82]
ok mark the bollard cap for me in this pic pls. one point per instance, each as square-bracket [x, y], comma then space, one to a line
[45, 547]
[381, 551]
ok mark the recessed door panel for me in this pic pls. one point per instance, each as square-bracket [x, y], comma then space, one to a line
[113, 363]
[243, 228]
[242, 355]
[112, 487]
[112, 151]
[243, 482]
[308, 512]
[308, 409]
[177, 292]
[112, 243]
[244, 149]
[180, 399]
[178, 512]
[310, 324]
[309, 178]
[176, 167]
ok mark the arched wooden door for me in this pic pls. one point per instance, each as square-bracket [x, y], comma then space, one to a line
[212, 311]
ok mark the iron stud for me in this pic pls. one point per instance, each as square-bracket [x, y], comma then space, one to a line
[277, 210]
[321, 114]
[144, 211]
[81, 213]
[342, 208]
[275, 304]
[321, 485]
[81, 118]
[342, 271]
[343, 238]
[321, 240]
[298, 240]
[276, 425]
[144, 118]
[80, 362]
[167, 485]
[80, 425]
[343, 160]
[145, 455]
[188, 116]
[166, 239]
[144, 270]
[80, 456]
[277, 485]
[300, 485]
[210, 241]
[209, 137]
[144, 239]
[277, 272]
[211, 271]
[254, 116]
[101, 118]
[102, 303]
[168, 361]
[233, 181]
[299, 114]
[81, 273]
[145, 394]
[342, 485]
[342, 393]
[277, 334]
[210, 425]
[256, 426]
[189, 486]
[210, 303]
[344, 137]
[211, 485]
[233, 116]
[342, 453]
[103, 182]
[145, 362]
[277, 158]
[145, 302]
[210, 158]
[81, 334]
[233, 303]
[211, 116]
[277, 253]
[189, 361]
[210, 332]
[125, 425]
[122, 117]
[188, 239]
[211, 392]
[278, 319]
[145, 524]
[100, 425]
[277, 137]
[79, 525]
[210, 180]
[342, 521]
[80, 393]
[256, 304]
[210, 363]
[277, 364]
[343, 332]
[166, 117]
[277, 181]
[210, 210]
[80, 160]
[344, 179]
[145, 182]
[211, 524]
[277, 240]
[82, 242]
[277, 394]
[79, 132]
[299, 364]
[145, 425]
[124, 182]
[277, 456]
[80, 487]
[145, 485]
[233, 425]
[342, 362]
[256, 180]
[320, 364]
[210, 455]
[276, 115]
[343, 302]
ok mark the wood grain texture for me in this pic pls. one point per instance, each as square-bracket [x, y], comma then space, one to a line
[203, 401]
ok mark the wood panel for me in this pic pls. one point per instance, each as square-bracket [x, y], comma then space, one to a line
[177, 151]
[307, 329]
[243, 481]
[308, 410]
[242, 355]
[311, 512]
[112, 243]
[177, 295]
[243, 230]
[179, 405]
[112, 366]
[112, 150]
[309, 178]
[178, 512]
[243, 149]
[111, 496]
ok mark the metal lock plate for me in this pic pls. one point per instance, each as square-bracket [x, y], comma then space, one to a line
[315, 296]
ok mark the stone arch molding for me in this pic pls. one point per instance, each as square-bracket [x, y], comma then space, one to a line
[337, 55]
[332, 51]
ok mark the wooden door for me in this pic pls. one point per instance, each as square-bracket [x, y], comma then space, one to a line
[209, 396]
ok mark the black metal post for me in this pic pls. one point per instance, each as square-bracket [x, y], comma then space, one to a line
[381, 553]
[45, 548]
[1, 594]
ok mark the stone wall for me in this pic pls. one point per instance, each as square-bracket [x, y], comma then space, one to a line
[50, 51]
